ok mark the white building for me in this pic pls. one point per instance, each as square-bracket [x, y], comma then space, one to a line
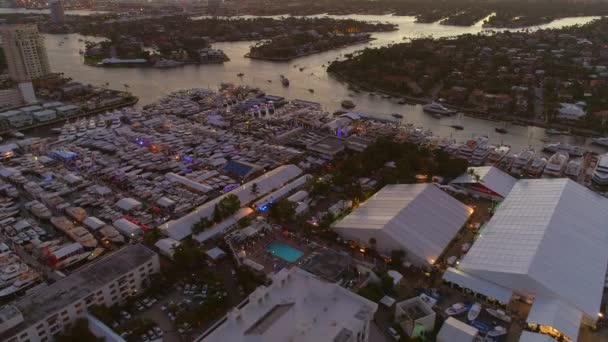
[25, 52]
[454, 330]
[485, 182]
[419, 219]
[47, 309]
[296, 307]
[271, 180]
[546, 241]
[569, 111]
[415, 317]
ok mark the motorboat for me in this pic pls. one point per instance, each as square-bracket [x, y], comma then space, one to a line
[397, 116]
[110, 233]
[497, 331]
[536, 167]
[474, 312]
[480, 154]
[457, 127]
[506, 162]
[456, 309]
[22, 283]
[500, 130]
[96, 253]
[453, 148]
[521, 163]
[62, 223]
[553, 131]
[81, 235]
[39, 210]
[437, 108]
[497, 155]
[572, 150]
[573, 170]
[600, 174]
[8, 273]
[466, 151]
[556, 164]
[347, 104]
[77, 213]
[603, 141]
[499, 314]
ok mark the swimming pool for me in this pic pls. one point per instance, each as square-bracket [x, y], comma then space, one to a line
[285, 252]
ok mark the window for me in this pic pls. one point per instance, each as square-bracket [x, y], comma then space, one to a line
[64, 313]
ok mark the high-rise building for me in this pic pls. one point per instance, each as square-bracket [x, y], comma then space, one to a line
[25, 52]
[57, 12]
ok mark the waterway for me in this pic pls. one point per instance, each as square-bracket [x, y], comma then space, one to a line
[150, 84]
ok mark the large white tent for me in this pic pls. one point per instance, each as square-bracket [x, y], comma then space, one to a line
[548, 240]
[420, 219]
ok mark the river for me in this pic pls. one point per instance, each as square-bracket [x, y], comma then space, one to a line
[150, 84]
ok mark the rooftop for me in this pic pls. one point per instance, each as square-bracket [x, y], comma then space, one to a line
[489, 176]
[328, 264]
[46, 300]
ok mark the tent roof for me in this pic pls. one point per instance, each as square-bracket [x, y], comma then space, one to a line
[215, 253]
[557, 314]
[548, 237]
[478, 285]
[167, 245]
[93, 222]
[489, 176]
[454, 330]
[527, 336]
[128, 203]
[420, 217]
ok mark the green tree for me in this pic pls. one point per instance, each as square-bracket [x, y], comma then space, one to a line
[282, 210]
[152, 235]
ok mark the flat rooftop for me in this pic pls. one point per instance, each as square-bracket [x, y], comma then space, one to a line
[329, 264]
[47, 300]
[329, 144]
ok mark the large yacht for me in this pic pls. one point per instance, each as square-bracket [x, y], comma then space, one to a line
[437, 108]
[600, 175]
[452, 149]
[536, 167]
[25, 281]
[77, 213]
[466, 151]
[481, 153]
[39, 210]
[521, 163]
[600, 141]
[497, 155]
[110, 233]
[78, 234]
[573, 170]
[572, 150]
[556, 164]
[507, 161]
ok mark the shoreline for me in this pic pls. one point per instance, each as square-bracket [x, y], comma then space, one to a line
[287, 59]
[469, 112]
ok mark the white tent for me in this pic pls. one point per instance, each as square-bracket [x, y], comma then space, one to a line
[128, 204]
[420, 219]
[167, 246]
[547, 239]
[127, 228]
[454, 330]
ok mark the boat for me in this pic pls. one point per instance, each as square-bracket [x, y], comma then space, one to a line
[453, 148]
[437, 108]
[284, 81]
[18, 135]
[397, 116]
[474, 312]
[600, 141]
[39, 210]
[481, 153]
[111, 234]
[466, 151]
[521, 163]
[497, 155]
[95, 253]
[9, 272]
[347, 104]
[556, 164]
[500, 130]
[536, 167]
[572, 150]
[573, 170]
[501, 315]
[437, 116]
[457, 127]
[81, 235]
[497, 331]
[77, 213]
[240, 74]
[24, 282]
[506, 162]
[310, 90]
[456, 309]
[553, 131]
[600, 173]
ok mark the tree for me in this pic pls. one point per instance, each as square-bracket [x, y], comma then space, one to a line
[226, 207]
[152, 235]
[78, 331]
[282, 210]
[187, 255]
[201, 225]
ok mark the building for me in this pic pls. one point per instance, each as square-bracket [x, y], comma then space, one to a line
[181, 228]
[47, 309]
[547, 241]
[57, 11]
[25, 52]
[10, 98]
[454, 330]
[298, 307]
[485, 182]
[419, 219]
[415, 317]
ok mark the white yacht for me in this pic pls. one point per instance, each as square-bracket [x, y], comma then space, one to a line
[600, 175]
[481, 153]
[110, 233]
[521, 163]
[452, 149]
[466, 151]
[437, 108]
[39, 210]
[506, 162]
[603, 141]
[24, 282]
[556, 164]
[536, 167]
[572, 150]
[573, 170]
[497, 155]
